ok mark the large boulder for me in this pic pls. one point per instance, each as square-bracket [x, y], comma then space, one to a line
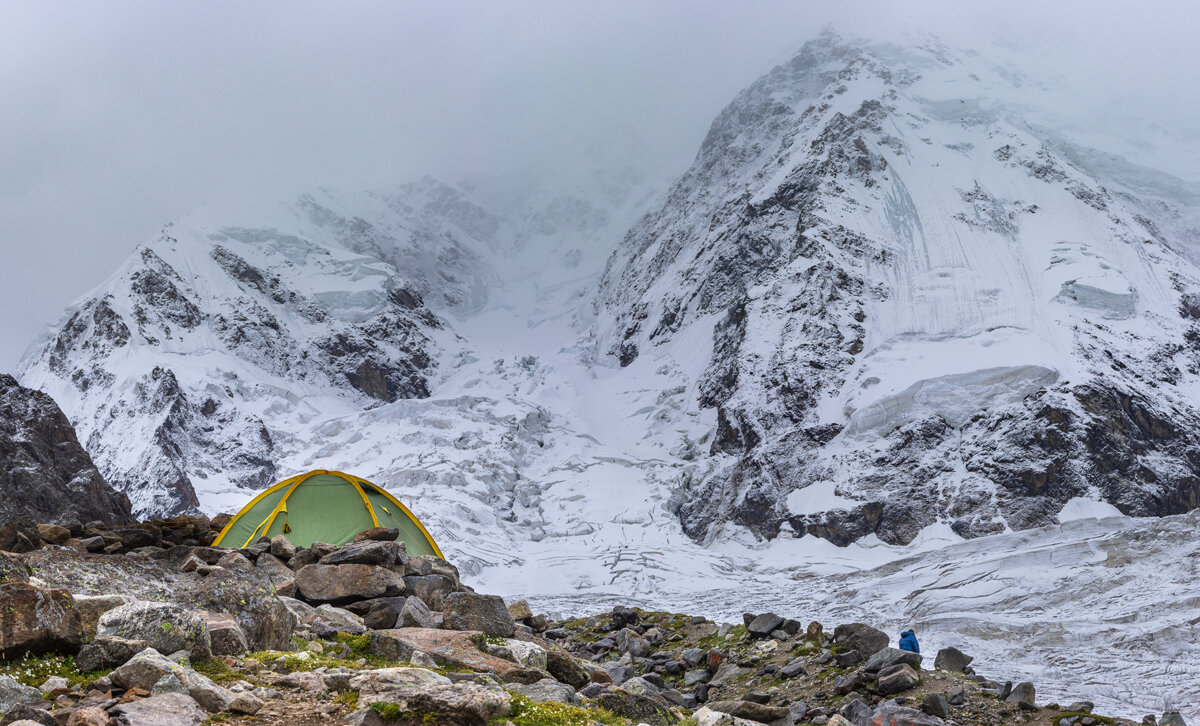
[456, 704]
[416, 614]
[265, 621]
[897, 678]
[565, 667]
[889, 657]
[432, 589]
[860, 638]
[890, 713]
[368, 552]
[166, 627]
[168, 709]
[13, 693]
[952, 659]
[372, 684]
[450, 648]
[473, 611]
[1023, 692]
[91, 607]
[143, 670]
[637, 708]
[107, 652]
[339, 584]
[750, 710]
[546, 690]
[225, 634]
[36, 620]
[762, 626]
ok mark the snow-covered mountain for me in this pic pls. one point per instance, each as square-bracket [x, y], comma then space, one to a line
[921, 310]
[884, 308]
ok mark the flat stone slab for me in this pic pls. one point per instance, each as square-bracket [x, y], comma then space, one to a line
[453, 648]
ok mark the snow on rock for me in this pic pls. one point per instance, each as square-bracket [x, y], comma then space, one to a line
[919, 299]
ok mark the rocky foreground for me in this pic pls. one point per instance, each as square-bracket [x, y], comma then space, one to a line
[151, 626]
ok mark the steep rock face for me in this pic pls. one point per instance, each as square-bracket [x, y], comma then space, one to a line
[47, 476]
[920, 311]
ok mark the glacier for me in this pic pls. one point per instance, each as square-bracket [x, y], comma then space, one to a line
[888, 351]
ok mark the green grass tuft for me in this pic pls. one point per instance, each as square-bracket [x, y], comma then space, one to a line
[1102, 719]
[34, 670]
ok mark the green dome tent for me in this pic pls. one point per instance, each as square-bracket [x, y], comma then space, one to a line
[325, 506]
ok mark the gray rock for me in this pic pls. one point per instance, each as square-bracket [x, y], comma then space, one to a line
[166, 627]
[143, 670]
[432, 589]
[12, 693]
[893, 714]
[91, 607]
[750, 710]
[956, 696]
[1171, 718]
[342, 620]
[107, 652]
[214, 698]
[169, 709]
[25, 714]
[546, 690]
[225, 635]
[695, 676]
[693, 656]
[952, 659]
[339, 584]
[793, 668]
[53, 683]
[936, 704]
[282, 547]
[1023, 692]
[246, 703]
[897, 678]
[628, 641]
[798, 709]
[37, 620]
[463, 704]
[234, 561]
[415, 614]
[1081, 707]
[890, 657]
[369, 552]
[168, 684]
[472, 611]
[762, 625]
[641, 686]
[860, 638]
[303, 558]
[857, 713]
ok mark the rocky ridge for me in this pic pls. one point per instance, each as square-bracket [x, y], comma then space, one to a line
[46, 474]
[181, 632]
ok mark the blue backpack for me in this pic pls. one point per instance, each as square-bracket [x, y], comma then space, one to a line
[908, 641]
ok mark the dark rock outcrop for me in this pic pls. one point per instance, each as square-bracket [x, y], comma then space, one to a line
[45, 473]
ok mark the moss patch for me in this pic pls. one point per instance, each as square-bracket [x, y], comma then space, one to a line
[526, 712]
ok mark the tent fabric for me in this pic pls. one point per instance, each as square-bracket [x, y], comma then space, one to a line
[325, 506]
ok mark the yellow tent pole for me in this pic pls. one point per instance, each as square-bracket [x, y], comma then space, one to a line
[367, 502]
[265, 525]
[233, 520]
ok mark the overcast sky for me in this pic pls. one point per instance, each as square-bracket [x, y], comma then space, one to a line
[118, 116]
